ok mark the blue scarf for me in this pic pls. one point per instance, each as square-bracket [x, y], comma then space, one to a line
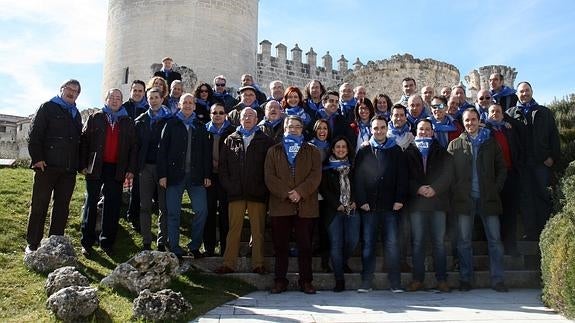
[292, 145]
[333, 163]
[212, 128]
[270, 124]
[386, 114]
[300, 112]
[527, 108]
[398, 132]
[347, 106]
[312, 105]
[320, 144]
[442, 128]
[389, 143]
[364, 130]
[413, 120]
[221, 95]
[71, 108]
[462, 108]
[482, 135]
[114, 116]
[423, 145]
[166, 72]
[483, 112]
[246, 133]
[203, 102]
[404, 98]
[162, 113]
[505, 91]
[189, 122]
[142, 104]
[497, 125]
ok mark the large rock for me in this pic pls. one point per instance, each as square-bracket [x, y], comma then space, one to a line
[54, 252]
[74, 302]
[163, 305]
[147, 270]
[64, 277]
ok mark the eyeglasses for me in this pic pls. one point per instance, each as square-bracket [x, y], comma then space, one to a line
[294, 127]
[220, 84]
[204, 91]
[438, 106]
[221, 113]
[485, 98]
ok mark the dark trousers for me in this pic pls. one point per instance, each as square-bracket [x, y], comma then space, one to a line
[62, 184]
[133, 212]
[510, 201]
[282, 227]
[217, 217]
[535, 199]
[112, 190]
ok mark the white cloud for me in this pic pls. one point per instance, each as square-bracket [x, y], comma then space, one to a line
[47, 32]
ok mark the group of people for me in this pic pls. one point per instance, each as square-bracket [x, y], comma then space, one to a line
[332, 162]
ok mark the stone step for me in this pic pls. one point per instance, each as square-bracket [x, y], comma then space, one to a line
[529, 248]
[323, 281]
[209, 264]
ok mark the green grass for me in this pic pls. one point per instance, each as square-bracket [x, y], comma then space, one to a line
[22, 295]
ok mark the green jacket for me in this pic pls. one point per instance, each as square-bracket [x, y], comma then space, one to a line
[490, 170]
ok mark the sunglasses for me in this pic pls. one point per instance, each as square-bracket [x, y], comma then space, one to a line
[438, 106]
[218, 113]
[485, 98]
[220, 84]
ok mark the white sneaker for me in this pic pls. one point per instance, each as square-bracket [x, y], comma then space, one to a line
[365, 288]
[396, 290]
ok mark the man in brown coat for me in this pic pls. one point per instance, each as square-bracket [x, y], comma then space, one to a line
[293, 175]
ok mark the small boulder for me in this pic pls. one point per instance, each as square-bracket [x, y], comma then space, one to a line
[54, 252]
[163, 305]
[64, 277]
[74, 302]
[147, 270]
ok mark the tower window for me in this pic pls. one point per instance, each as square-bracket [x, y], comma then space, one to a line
[126, 75]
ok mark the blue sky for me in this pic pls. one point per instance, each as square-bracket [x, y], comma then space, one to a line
[45, 42]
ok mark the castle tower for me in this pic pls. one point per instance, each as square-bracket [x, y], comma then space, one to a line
[208, 37]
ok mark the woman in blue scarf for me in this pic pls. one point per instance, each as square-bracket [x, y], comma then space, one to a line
[363, 113]
[382, 105]
[292, 104]
[341, 220]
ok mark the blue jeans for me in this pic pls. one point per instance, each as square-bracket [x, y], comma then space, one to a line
[370, 223]
[495, 247]
[433, 223]
[343, 234]
[197, 194]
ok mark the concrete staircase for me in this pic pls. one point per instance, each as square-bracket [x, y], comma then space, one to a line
[520, 271]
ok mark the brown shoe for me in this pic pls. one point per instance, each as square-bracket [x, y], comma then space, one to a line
[414, 286]
[279, 287]
[224, 270]
[443, 287]
[307, 288]
[260, 270]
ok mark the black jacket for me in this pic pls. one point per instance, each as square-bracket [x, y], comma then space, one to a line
[172, 76]
[242, 173]
[172, 153]
[438, 174]
[55, 137]
[539, 138]
[133, 112]
[148, 136]
[94, 139]
[380, 183]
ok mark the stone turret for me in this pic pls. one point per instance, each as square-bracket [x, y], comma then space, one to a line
[296, 55]
[311, 60]
[266, 49]
[281, 53]
[357, 64]
[342, 64]
[327, 62]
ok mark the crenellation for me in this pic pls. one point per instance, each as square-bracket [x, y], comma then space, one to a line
[296, 55]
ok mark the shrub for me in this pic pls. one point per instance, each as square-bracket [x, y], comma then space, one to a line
[557, 246]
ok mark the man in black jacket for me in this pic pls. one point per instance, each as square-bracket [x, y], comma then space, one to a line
[167, 72]
[241, 168]
[540, 143]
[185, 163]
[54, 152]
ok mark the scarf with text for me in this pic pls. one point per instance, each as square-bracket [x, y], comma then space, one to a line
[292, 145]
[423, 145]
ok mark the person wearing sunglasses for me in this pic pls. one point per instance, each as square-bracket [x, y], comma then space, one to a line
[445, 127]
[482, 103]
[272, 123]
[204, 99]
[221, 94]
